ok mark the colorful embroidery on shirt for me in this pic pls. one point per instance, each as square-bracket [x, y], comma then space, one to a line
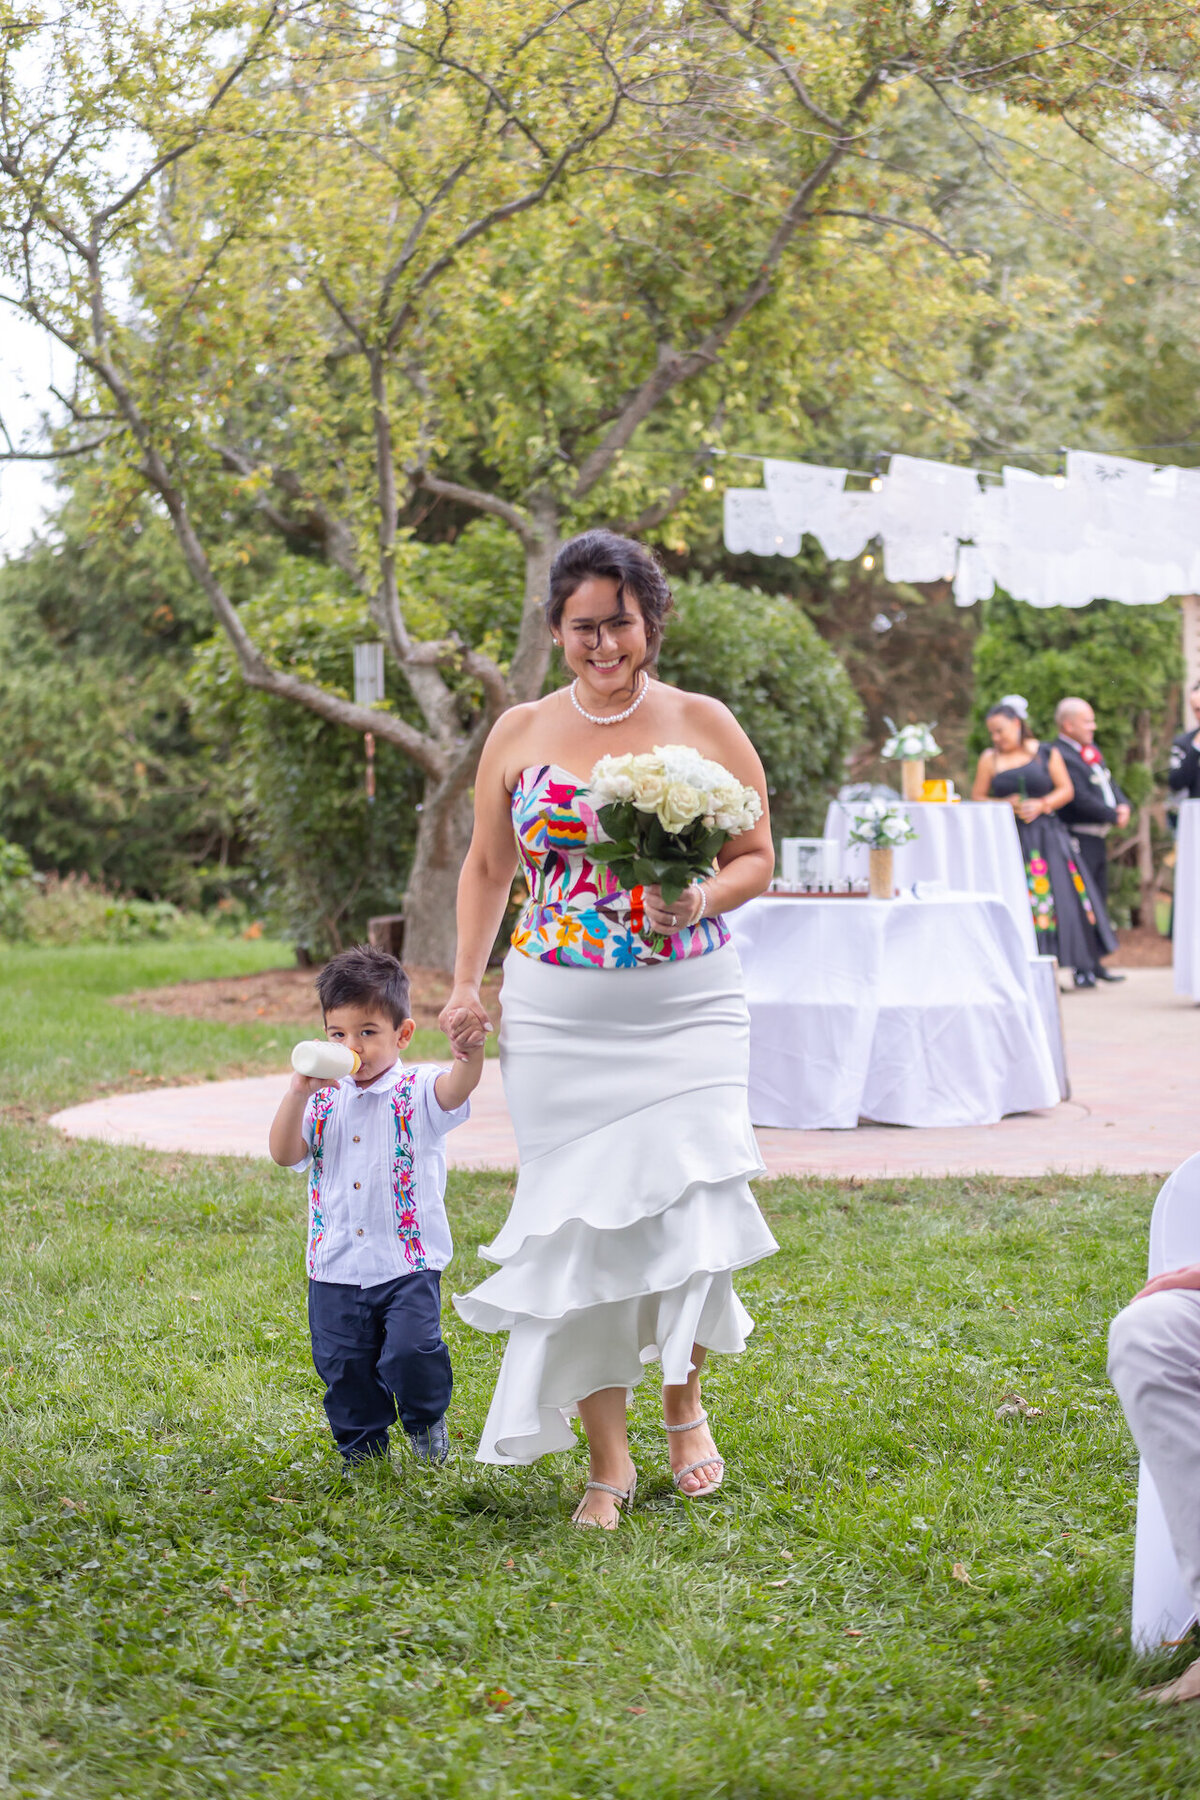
[577, 913]
[322, 1106]
[408, 1225]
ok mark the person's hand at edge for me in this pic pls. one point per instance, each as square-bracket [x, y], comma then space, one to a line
[1186, 1277]
[465, 1021]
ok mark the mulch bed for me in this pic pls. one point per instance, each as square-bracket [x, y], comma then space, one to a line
[1142, 949]
[288, 996]
[283, 997]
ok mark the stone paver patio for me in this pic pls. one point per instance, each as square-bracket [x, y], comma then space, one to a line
[1132, 1053]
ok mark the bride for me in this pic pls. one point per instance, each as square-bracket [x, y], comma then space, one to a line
[623, 1051]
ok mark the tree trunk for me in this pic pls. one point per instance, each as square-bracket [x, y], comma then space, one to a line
[443, 834]
[444, 827]
[527, 676]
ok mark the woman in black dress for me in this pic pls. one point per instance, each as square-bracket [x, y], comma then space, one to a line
[1032, 779]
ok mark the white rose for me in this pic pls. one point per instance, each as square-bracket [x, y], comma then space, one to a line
[679, 806]
[649, 790]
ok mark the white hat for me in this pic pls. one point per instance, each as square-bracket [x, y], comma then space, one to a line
[1018, 703]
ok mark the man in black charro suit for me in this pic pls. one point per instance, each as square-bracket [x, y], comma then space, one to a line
[1183, 777]
[1098, 803]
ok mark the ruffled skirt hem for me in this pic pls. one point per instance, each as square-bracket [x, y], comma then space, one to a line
[627, 1091]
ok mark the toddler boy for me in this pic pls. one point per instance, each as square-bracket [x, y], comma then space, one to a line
[373, 1145]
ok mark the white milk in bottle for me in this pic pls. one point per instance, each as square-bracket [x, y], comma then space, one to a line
[325, 1061]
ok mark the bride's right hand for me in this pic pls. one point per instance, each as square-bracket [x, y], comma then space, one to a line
[464, 1020]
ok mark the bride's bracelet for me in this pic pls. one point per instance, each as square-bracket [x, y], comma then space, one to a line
[700, 889]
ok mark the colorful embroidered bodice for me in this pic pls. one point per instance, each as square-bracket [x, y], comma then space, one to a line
[577, 912]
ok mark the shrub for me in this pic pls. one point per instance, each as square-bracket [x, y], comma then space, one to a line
[73, 909]
[16, 887]
[99, 769]
[765, 659]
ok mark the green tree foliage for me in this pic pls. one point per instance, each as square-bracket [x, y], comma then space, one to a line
[1125, 660]
[476, 251]
[761, 656]
[325, 858]
[100, 772]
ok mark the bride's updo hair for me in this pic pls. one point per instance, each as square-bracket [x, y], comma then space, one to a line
[634, 569]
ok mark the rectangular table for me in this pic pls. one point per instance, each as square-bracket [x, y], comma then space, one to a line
[905, 1012]
[972, 847]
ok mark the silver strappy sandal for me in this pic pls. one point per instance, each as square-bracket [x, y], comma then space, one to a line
[623, 1497]
[678, 1475]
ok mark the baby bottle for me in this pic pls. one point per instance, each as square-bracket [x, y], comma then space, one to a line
[325, 1061]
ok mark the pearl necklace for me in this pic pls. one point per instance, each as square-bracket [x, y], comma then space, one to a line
[613, 718]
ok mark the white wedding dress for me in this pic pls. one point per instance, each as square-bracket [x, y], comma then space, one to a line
[626, 1085]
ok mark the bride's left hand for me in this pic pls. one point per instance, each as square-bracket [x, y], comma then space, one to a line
[683, 912]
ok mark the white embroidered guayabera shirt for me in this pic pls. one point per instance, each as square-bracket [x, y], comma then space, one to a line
[377, 1177]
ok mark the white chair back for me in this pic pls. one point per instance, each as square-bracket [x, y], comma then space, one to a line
[1162, 1606]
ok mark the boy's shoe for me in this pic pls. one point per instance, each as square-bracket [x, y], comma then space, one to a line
[430, 1443]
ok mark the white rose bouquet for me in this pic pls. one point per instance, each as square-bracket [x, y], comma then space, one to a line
[909, 743]
[666, 814]
[879, 825]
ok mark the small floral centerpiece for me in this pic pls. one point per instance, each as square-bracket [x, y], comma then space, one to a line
[910, 745]
[880, 825]
[666, 814]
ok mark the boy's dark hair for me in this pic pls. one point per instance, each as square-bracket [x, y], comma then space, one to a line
[362, 977]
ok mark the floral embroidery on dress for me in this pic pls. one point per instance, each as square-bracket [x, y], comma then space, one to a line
[408, 1225]
[577, 913]
[322, 1106]
[1085, 898]
[1041, 894]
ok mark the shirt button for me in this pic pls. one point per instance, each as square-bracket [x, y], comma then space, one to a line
[357, 1139]
[358, 1233]
[358, 1184]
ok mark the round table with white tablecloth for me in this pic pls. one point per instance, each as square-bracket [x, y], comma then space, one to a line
[971, 846]
[1185, 928]
[906, 1012]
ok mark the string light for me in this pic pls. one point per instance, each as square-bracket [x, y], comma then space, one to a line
[708, 481]
[1060, 481]
[868, 561]
[876, 484]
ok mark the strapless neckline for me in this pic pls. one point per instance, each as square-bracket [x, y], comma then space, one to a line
[535, 768]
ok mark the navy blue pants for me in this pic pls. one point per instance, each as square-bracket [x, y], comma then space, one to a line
[379, 1351]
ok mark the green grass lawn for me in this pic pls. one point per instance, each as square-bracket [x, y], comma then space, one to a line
[897, 1594]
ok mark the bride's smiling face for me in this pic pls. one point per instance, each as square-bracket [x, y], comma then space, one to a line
[603, 637]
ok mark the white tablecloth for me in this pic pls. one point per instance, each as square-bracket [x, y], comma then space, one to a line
[1186, 928]
[908, 1012]
[972, 847]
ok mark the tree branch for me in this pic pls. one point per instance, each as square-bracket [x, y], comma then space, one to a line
[834, 126]
[513, 516]
[676, 367]
[872, 218]
[165, 161]
[497, 215]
